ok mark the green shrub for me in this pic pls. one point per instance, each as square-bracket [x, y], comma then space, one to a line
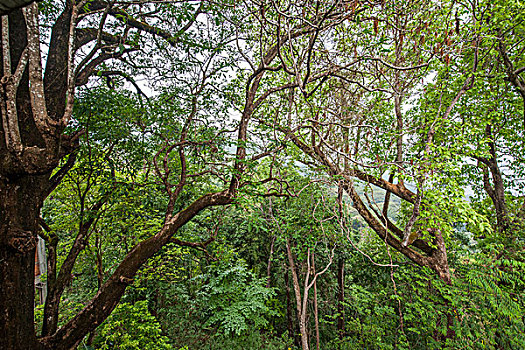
[131, 327]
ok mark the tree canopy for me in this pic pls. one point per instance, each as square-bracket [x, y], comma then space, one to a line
[262, 174]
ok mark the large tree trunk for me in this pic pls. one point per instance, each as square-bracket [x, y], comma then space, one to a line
[7, 6]
[20, 204]
[24, 180]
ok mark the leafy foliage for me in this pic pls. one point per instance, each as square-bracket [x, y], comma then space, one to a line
[131, 327]
[236, 300]
[417, 93]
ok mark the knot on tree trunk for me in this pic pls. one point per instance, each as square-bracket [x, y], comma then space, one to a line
[126, 280]
[6, 79]
[22, 241]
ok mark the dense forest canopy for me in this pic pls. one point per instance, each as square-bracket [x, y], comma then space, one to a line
[262, 174]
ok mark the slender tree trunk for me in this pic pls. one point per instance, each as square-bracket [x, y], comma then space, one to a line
[100, 267]
[269, 266]
[303, 327]
[316, 310]
[496, 190]
[340, 297]
[301, 309]
[289, 316]
[51, 308]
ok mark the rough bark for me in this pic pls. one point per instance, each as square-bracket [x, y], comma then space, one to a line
[34, 113]
[19, 209]
[6, 6]
[24, 174]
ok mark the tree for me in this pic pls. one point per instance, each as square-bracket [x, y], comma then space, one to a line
[106, 39]
[355, 129]
[300, 235]
[383, 127]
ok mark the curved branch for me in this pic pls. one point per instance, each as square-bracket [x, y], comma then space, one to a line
[99, 308]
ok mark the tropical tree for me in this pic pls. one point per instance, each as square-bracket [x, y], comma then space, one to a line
[383, 120]
[40, 131]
